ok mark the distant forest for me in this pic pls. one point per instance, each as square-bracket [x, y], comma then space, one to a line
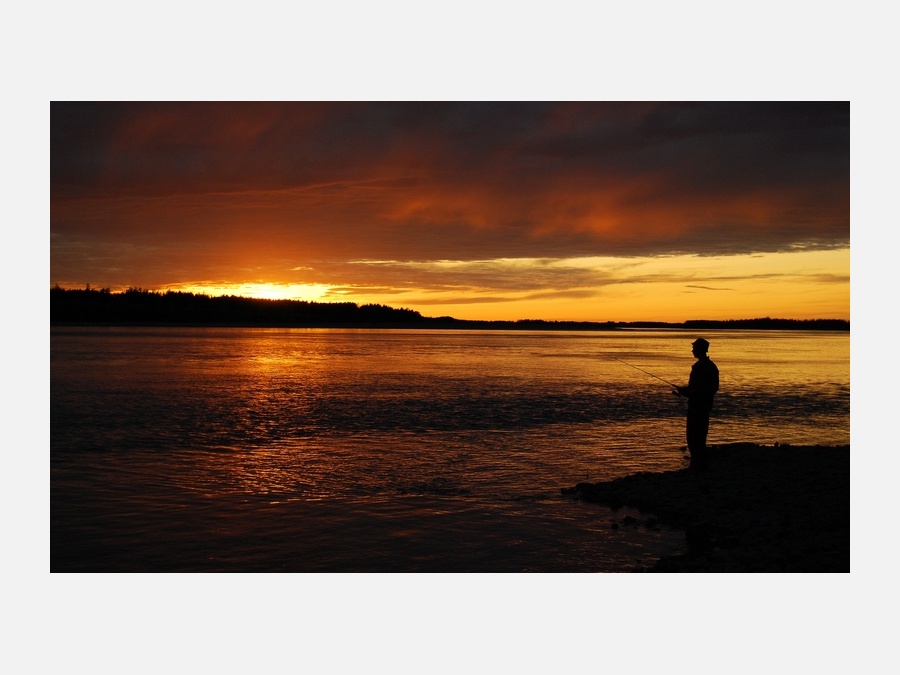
[140, 307]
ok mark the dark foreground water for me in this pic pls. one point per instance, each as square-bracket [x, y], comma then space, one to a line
[177, 449]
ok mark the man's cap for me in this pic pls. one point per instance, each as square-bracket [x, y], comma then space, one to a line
[700, 342]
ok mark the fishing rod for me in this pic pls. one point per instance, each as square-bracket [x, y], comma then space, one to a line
[646, 372]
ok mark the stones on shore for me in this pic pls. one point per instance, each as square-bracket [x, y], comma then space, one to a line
[757, 508]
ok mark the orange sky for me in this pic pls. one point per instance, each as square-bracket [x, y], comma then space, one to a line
[588, 211]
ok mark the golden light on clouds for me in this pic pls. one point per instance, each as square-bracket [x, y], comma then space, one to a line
[558, 211]
[264, 291]
[800, 284]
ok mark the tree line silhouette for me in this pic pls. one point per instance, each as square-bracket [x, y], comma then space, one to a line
[137, 306]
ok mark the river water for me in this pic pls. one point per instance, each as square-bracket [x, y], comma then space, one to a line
[240, 449]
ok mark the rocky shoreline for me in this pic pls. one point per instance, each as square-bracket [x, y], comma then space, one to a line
[756, 508]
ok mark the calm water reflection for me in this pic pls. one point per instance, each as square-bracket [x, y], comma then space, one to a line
[393, 450]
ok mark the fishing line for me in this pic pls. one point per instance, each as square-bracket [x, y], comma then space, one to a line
[671, 384]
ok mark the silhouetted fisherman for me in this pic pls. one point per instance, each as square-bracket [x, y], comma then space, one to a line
[702, 387]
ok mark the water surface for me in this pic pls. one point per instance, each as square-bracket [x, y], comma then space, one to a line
[385, 450]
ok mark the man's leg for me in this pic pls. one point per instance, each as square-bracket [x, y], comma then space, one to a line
[697, 430]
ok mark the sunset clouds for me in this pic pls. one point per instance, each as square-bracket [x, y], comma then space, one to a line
[447, 204]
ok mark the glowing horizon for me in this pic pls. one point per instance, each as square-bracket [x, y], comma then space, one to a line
[731, 286]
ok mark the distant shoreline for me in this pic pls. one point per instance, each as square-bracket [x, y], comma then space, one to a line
[136, 307]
